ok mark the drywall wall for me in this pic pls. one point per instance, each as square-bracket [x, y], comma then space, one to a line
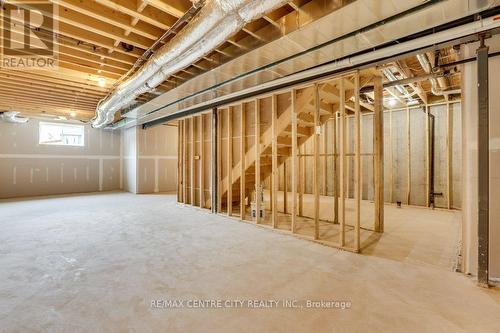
[28, 168]
[150, 159]
[470, 163]
[157, 159]
[129, 153]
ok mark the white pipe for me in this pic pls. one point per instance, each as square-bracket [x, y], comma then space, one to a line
[215, 23]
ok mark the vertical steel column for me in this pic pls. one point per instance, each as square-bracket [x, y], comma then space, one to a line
[483, 150]
[214, 188]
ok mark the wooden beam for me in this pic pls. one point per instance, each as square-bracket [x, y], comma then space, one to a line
[274, 175]
[316, 134]
[105, 14]
[148, 15]
[167, 7]
[257, 161]
[294, 164]
[229, 161]
[378, 147]
[242, 162]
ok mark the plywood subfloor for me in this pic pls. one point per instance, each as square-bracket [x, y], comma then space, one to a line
[93, 263]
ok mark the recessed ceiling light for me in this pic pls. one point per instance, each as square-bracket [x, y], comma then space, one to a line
[72, 114]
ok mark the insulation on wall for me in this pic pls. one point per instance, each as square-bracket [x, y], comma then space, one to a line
[418, 162]
[405, 156]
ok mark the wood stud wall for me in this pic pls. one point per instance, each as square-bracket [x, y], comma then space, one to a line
[261, 143]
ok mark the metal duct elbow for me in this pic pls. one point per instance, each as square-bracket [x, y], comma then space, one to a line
[11, 117]
[426, 65]
[215, 23]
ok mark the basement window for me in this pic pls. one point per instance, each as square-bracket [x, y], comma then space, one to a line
[61, 134]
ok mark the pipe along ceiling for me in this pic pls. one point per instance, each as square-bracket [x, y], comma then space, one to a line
[217, 21]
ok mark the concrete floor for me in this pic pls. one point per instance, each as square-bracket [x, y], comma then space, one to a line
[94, 263]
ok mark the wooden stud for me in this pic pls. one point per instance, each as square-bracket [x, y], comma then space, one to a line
[408, 157]
[348, 157]
[229, 161]
[219, 161]
[257, 161]
[357, 163]
[274, 174]
[192, 166]
[214, 166]
[242, 162]
[391, 158]
[427, 157]
[294, 164]
[180, 139]
[316, 134]
[449, 116]
[378, 169]
[285, 188]
[361, 180]
[325, 159]
[184, 161]
[202, 163]
[302, 178]
[342, 163]
[335, 179]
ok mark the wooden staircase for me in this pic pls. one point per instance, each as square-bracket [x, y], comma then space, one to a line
[305, 108]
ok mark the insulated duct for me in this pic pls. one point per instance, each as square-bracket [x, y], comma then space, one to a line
[402, 90]
[426, 65]
[215, 23]
[11, 117]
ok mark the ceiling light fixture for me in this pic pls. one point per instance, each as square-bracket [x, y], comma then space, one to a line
[101, 81]
[392, 102]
